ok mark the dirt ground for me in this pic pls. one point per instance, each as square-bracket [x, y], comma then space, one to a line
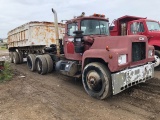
[3, 52]
[30, 96]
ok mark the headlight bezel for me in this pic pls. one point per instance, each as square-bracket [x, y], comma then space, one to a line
[122, 59]
[150, 53]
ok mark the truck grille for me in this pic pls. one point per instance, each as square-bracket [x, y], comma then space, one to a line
[138, 51]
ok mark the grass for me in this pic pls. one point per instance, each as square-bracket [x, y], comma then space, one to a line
[6, 74]
[2, 47]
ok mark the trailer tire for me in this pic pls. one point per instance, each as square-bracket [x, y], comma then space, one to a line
[49, 62]
[96, 80]
[16, 59]
[31, 59]
[11, 57]
[20, 57]
[41, 64]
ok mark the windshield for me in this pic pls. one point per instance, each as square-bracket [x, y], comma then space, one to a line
[153, 26]
[94, 27]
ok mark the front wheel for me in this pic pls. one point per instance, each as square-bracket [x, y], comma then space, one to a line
[157, 60]
[96, 80]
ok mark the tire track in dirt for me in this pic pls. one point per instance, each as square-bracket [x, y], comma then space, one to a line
[65, 97]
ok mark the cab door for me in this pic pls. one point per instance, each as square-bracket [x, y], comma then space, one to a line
[136, 28]
[68, 42]
[69, 38]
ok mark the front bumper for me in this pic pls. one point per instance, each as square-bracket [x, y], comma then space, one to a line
[127, 78]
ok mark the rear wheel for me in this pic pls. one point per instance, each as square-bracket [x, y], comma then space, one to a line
[49, 62]
[41, 64]
[20, 57]
[96, 80]
[11, 57]
[16, 59]
[31, 58]
[157, 60]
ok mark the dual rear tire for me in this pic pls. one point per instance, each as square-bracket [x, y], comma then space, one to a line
[42, 63]
[31, 58]
[16, 57]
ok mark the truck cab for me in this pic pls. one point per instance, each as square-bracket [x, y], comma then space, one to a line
[91, 28]
[131, 25]
[107, 64]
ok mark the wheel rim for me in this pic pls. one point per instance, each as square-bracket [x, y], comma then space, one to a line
[94, 81]
[157, 61]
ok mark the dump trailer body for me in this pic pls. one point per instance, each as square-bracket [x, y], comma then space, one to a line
[34, 34]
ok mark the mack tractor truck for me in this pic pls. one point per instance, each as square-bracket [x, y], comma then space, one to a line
[107, 64]
[132, 25]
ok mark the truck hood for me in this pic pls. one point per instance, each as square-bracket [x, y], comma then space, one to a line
[117, 42]
[120, 45]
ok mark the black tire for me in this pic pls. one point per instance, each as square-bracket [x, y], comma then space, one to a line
[16, 59]
[157, 60]
[20, 57]
[31, 59]
[96, 80]
[41, 64]
[11, 57]
[49, 62]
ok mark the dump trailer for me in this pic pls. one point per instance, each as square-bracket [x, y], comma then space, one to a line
[132, 25]
[32, 37]
[87, 51]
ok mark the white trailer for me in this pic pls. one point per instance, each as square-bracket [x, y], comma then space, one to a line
[32, 38]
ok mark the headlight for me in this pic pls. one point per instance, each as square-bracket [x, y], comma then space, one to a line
[122, 59]
[150, 53]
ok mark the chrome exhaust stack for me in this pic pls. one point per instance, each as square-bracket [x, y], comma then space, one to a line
[56, 31]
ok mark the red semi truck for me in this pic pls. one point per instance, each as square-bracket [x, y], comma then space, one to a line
[106, 66]
[132, 25]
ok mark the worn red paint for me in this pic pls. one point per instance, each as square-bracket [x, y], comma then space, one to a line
[95, 47]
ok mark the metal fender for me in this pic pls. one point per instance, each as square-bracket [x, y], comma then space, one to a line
[95, 53]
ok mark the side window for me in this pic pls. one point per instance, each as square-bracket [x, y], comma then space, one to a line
[141, 27]
[104, 28]
[71, 28]
[137, 27]
[132, 28]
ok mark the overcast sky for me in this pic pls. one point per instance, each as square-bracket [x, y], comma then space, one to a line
[14, 13]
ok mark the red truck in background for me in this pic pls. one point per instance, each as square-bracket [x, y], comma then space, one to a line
[132, 25]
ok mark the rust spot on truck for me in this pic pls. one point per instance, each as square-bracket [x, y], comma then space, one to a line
[39, 33]
[52, 40]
